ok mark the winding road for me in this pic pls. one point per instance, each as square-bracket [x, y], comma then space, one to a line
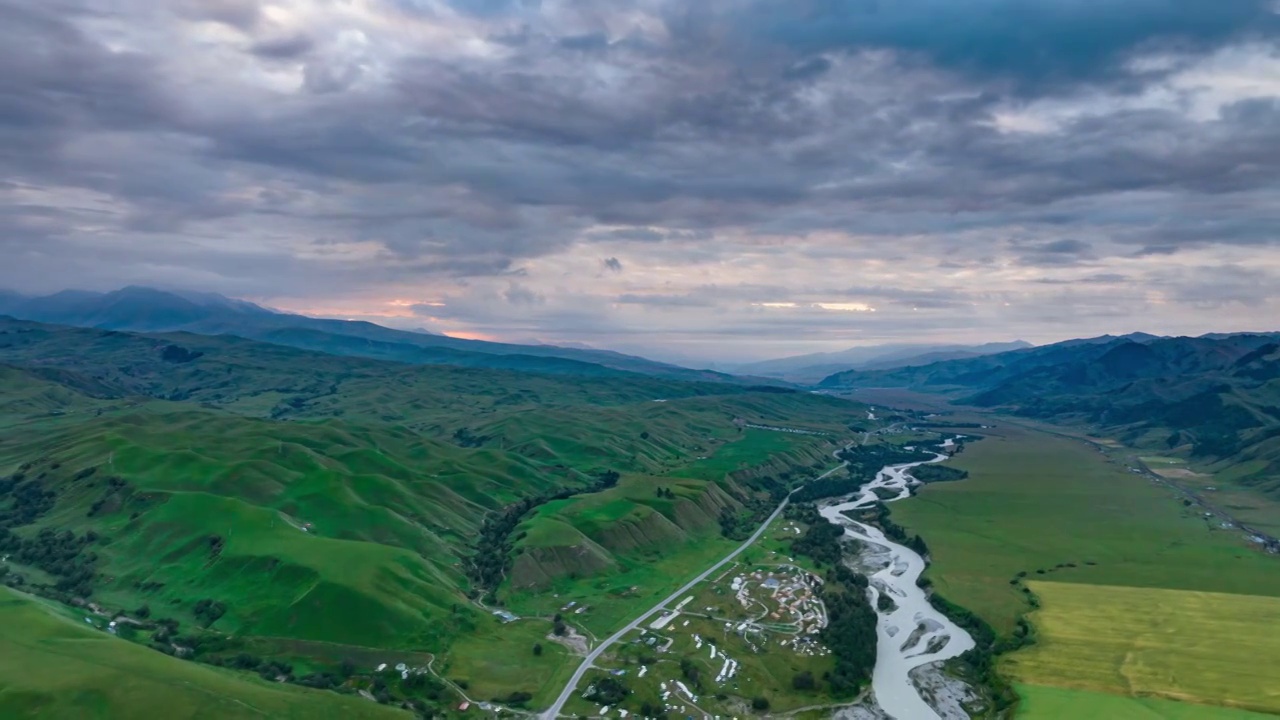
[554, 711]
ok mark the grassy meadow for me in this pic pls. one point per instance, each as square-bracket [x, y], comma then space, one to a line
[1034, 502]
[1148, 609]
[53, 665]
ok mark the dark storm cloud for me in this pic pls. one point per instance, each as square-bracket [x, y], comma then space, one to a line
[70, 83]
[286, 47]
[1039, 43]
[520, 295]
[1067, 251]
[849, 132]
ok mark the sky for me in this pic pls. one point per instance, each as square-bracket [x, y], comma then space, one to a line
[714, 180]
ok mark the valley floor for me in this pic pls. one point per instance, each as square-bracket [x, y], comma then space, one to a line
[1140, 606]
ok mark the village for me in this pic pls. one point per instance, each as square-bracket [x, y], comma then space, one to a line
[709, 654]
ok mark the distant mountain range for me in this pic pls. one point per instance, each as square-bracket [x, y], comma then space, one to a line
[142, 309]
[1214, 398]
[815, 366]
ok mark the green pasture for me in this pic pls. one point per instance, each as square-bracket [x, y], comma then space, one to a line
[754, 447]
[1036, 502]
[53, 666]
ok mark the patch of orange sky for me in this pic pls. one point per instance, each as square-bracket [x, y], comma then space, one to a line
[470, 335]
[378, 308]
[384, 309]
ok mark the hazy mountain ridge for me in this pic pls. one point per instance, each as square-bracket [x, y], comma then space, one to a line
[140, 309]
[815, 366]
[1212, 398]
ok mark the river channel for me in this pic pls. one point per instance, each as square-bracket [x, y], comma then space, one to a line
[911, 633]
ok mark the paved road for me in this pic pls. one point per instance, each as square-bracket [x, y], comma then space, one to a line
[554, 711]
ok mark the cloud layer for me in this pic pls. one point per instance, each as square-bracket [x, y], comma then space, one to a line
[728, 179]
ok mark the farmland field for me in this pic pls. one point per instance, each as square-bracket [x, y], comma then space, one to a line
[1208, 648]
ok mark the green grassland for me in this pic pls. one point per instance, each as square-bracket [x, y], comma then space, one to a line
[1198, 647]
[616, 569]
[616, 552]
[497, 660]
[1034, 501]
[1142, 595]
[753, 448]
[331, 504]
[1052, 703]
[53, 666]
[619, 550]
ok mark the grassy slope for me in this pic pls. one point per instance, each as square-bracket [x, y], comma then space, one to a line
[1034, 501]
[390, 513]
[616, 552]
[52, 666]
[648, 543]
[262, 439]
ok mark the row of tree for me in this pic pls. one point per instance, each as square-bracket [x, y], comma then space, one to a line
[491, 559]
[851, 630]
[864, 462]
[851, 621]
[938, 473]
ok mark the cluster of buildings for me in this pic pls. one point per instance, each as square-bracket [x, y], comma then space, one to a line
[791, 595]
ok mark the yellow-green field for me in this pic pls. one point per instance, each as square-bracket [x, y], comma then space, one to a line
[1051, 703]
[1198, 647]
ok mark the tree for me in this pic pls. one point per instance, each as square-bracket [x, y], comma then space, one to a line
[803, 681]
[760, 703]
[537, 649]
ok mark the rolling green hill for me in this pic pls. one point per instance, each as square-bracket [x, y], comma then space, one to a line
[240, 498]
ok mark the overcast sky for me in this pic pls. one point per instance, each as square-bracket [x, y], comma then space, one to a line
[682, 178]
